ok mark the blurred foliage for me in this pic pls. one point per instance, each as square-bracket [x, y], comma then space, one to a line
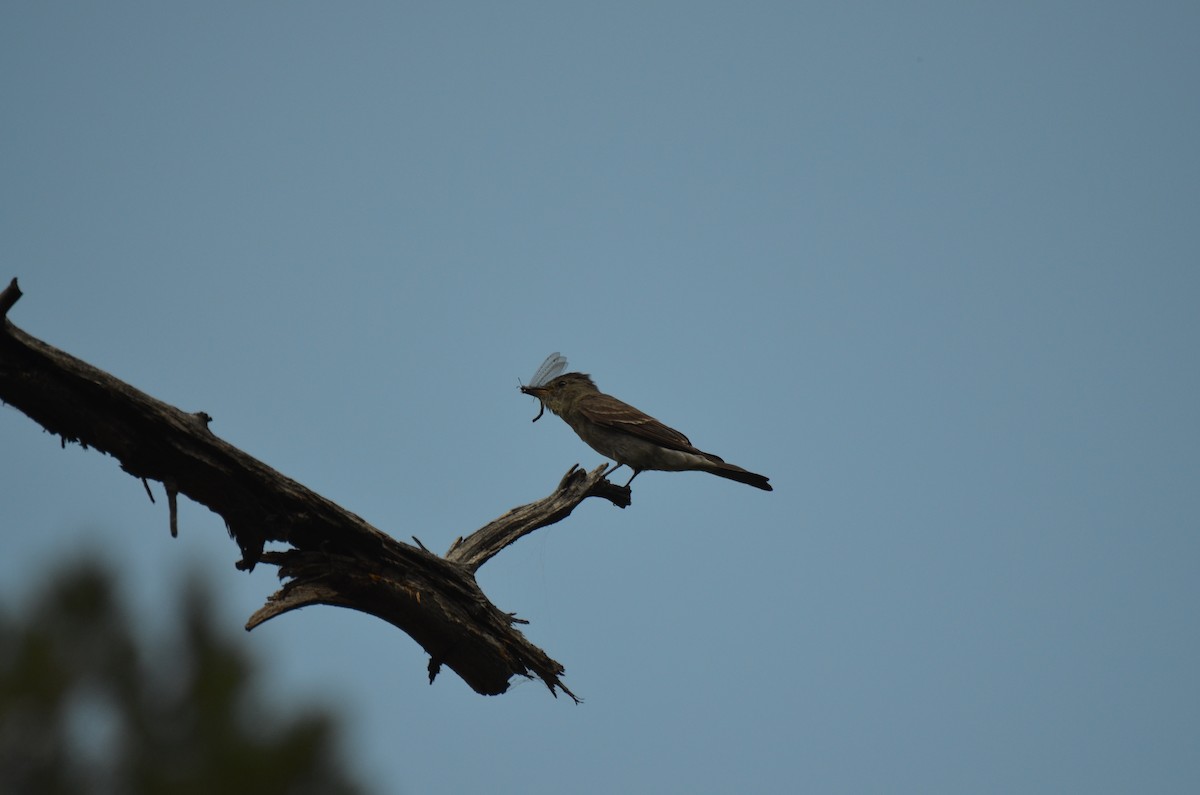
[88, 706]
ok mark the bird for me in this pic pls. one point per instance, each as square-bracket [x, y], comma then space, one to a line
[621, 432]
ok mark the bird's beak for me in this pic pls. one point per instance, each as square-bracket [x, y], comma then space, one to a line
[537, 392]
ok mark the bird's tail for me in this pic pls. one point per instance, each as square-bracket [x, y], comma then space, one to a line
[734, 472]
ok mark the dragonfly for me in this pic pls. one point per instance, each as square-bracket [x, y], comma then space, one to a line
[551, 368]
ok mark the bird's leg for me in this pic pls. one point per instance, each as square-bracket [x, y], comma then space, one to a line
[636, 472]
[614, 469]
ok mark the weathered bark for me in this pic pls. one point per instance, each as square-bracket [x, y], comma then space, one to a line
[331, 556]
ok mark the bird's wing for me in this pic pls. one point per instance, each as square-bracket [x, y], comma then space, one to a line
[618, 415]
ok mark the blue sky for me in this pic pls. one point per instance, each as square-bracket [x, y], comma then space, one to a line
[932, 267]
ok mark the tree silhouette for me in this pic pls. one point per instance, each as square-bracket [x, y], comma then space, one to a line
[87, 706]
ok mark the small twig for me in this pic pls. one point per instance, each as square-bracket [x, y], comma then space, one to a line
[173, 506]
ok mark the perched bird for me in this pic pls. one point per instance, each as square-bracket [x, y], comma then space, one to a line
[617, 430]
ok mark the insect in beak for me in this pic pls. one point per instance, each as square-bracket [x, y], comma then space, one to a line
[555, 363]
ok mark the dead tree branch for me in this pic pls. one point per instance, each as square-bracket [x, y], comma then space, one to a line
[331, 556]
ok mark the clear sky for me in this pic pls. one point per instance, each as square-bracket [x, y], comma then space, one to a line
[932, 267]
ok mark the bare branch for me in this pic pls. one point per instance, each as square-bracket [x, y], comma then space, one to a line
[574, 488]
[332, 556]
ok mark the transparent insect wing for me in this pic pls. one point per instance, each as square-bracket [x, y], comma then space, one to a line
[551, 368]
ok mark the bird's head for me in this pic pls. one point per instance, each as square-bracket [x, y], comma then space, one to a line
[561, 393]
